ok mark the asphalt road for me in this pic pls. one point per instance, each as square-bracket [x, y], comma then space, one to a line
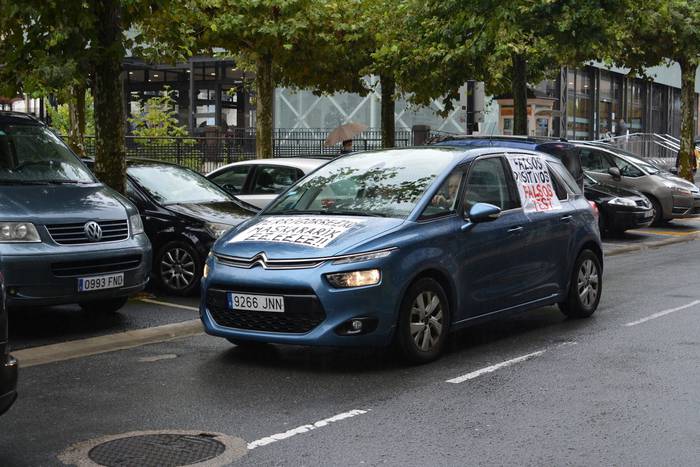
[610, 390]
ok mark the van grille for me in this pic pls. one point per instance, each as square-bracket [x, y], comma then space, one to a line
[74, 234]
[96, 266]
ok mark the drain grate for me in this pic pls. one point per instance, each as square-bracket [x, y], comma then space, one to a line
[162, 450]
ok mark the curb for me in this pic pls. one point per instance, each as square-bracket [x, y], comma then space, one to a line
[109, 343]
[650, 245]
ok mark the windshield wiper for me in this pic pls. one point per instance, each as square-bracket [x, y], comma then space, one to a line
[23, 182]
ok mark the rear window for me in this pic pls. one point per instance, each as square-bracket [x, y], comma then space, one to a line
[569, 156]
[565, 176]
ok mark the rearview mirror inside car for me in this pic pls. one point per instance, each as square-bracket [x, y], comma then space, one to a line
[615, 172]
[483, 212]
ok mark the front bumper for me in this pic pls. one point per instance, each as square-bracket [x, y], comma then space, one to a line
[307, 294]
[685, 206]
[42, 277]
[8, 382]
[623, 219]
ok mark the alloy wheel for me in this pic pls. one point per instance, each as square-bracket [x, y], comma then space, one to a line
[177, 268]
[426, 320]
[587, 283]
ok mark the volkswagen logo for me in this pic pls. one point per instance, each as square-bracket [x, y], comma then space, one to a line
[93, 231]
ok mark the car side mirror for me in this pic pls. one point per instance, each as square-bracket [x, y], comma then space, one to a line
[483, 212]
[615, 172]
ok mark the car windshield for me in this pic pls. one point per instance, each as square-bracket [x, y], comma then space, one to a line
[588, 180]
[382, 183]
[31, 154]
[170, 184]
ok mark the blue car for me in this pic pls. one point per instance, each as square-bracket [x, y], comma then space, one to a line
[403, 246]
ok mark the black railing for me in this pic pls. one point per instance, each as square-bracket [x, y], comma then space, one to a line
[206, 153]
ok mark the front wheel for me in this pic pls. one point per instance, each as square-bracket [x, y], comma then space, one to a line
[178, 268]
[658, 211]
[424, 321]
[109, 305]
[585, 287]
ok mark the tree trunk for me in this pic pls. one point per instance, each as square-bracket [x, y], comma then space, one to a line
[76, 114]
[110, 118]
[264, 102]
[388, 106]
[519, 89]
[687, 120]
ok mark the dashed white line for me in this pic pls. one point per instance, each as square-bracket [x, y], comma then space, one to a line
[492, 368]
[304, 428]
[662, 313]
[173, 305]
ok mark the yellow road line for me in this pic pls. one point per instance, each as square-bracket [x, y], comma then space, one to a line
[664, 232]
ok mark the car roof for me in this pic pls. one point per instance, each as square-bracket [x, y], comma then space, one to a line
[306, 164]
[18, 118]
[513, 142]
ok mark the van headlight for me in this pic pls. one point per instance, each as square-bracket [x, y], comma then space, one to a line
[136, 224]
[18, 232]
[344, 280]
[622, 202]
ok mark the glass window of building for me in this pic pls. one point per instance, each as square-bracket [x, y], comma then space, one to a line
[659, 98]
[579, 111]
[609, 103]
[636, 100]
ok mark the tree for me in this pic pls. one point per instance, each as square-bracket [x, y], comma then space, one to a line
[64, 119]
[662, 32]
[46, 38]
[274, 38]
[158, 118]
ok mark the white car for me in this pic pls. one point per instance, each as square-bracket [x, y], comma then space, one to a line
[259, 181]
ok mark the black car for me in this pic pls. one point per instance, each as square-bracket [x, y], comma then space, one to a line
[8, 365]
[620, 209]
[183, 214]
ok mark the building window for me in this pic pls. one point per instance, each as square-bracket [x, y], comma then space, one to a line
[579, 110]
[609, 102]
[636, 100]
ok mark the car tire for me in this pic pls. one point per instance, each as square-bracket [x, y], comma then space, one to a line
[423, 323]
[658, 211]
[108, 305]
[177, 268]
[586, 276]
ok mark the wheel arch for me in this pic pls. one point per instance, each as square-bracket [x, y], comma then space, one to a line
[441, 277]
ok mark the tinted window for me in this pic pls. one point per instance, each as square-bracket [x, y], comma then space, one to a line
[559, 189]
[566, 177]
[171, 184]
[232, 179]
[378, 183]
[274, 179]
[569, 157]
[446, 198]
[595, 161]
[33, 154]
[488, 183]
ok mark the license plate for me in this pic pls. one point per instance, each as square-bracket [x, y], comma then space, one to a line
[266, 303]
[110, 281]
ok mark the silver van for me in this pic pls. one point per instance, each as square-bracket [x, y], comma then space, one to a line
[671, 197]
[64, 236]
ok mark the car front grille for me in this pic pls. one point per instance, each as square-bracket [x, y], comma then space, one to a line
[74, 234]
[94, 267]
[302, 313]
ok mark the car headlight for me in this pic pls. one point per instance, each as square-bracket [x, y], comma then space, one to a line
[681, 190]
[217, 230]
[622, 202]
[136, 224]
[16, 232]
[343, 280]
[370, 255]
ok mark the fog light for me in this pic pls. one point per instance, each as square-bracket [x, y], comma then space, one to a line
[357, 326]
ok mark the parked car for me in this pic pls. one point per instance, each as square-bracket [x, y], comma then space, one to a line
[404, 246]
[64, 236]
[671, 197]
[259, 181]
[620, 209]
[183, 213]
[8, 365]
[559, 148]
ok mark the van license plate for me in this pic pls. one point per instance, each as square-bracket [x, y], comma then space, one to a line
[110, 281]
[266, 303]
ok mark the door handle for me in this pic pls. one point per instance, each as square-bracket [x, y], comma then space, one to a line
[567, 218]
[515, 230]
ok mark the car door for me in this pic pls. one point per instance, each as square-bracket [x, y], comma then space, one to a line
[232, 179]
[493, 257]
[597, 164]
[268, 181]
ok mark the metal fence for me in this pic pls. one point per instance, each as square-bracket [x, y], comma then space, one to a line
[661, 149]
[206, 153]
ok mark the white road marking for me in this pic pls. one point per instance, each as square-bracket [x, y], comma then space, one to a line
[173, 305]
[492, 368]
[304, 428]
[157, 358]
[662, 313]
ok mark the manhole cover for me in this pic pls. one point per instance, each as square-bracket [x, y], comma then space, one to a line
[163, 450]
